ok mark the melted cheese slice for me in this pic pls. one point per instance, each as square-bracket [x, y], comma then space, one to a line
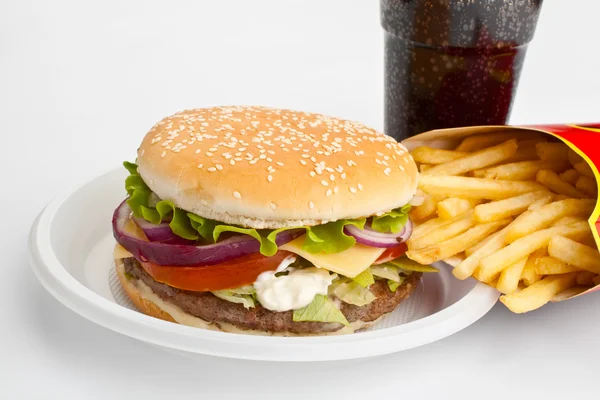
[349, 262]
[120, 252]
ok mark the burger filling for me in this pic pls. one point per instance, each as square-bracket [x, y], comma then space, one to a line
[309, 272]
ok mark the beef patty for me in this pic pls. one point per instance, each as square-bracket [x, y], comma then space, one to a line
[210, 308]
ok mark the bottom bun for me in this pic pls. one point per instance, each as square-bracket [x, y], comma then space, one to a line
[150, 303]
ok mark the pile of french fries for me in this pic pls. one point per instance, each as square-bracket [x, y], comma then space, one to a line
[511, 210]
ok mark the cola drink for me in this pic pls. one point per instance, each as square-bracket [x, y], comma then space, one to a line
[451, 63]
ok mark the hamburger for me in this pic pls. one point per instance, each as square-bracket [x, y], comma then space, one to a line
[266, 221]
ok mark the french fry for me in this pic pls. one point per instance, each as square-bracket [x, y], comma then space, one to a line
[576, 254]
[475, 188]
[524, 154]
[587, 186]
[479, 245]
[531, 143]
[477, 142]
[570, 176]
[552, 266]
[567, 221]
[429, 155]
[494, 263]
[559, 197]
[470, 264]
[552, 151]
[492, 244]
[584, 169]
[544, 216]
[530, 276]
[506, 208]
[425, 210]
[574, 158]
[457, 226]
[479, 159]
[430, 225]
[554, 183]
[585, 278]
[509, 278]
[540, 203]
[425, 167]
[539, 293]
[460, 243]
[520, 171]
[453, 206]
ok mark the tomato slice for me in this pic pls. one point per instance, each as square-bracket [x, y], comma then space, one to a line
[391, 253]
[231, 274]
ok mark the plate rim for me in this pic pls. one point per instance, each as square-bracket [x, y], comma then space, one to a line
[92, 306]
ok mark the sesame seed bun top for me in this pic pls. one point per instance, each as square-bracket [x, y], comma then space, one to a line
[269, 168]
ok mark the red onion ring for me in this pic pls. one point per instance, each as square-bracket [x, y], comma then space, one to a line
[370, 237]
[155, 232]
[164, 253]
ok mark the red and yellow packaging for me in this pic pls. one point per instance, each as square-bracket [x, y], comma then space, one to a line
[584, 139]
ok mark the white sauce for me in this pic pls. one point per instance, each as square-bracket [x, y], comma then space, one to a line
[292, 291]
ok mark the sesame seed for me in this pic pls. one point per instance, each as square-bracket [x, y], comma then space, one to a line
[387, 171]
[269, 178]
[328, 193]
[164, 153]
[324, 182]
[343, 175]
[305, 156]
[312, 173]
[237, 195]
[352, 190]
[198, 151]
[231, 162]
[212, 169]
[332, 177]
[208, 154]
[349, 162]
[200, 165]
[311, 204]
[273, 206]
[401, 167]
[360, 187]
[302, 162]
[335, 189]
[219, 167]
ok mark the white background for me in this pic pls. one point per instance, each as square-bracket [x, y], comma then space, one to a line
[82, 81]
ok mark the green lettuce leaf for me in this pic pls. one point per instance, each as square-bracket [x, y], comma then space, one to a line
[352, 293]
[393, 285]
[326, 238]
[386, 271]
[330, 237]
[364, 279]
[392, 221]
[321, 309]
[243, 295]
[406, 264]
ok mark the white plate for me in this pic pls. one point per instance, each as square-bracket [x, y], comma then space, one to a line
[70, 250]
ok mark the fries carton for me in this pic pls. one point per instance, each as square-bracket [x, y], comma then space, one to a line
[582, 175]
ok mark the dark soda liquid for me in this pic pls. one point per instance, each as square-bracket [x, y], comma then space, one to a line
[452, 63]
